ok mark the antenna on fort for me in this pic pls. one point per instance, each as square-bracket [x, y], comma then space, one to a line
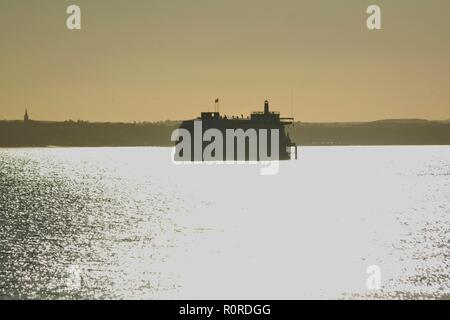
[292, 102]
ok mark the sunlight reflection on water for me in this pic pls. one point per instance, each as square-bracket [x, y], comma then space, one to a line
[128, 223]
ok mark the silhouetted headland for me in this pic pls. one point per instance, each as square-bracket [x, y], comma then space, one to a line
[89, 134]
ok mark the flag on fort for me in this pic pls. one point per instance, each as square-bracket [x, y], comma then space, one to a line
[217, 100]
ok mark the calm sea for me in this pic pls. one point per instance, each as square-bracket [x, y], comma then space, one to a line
[128, 223]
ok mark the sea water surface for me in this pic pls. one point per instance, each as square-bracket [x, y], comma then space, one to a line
[113, 223]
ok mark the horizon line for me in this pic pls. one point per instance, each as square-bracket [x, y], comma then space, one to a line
[169, 120]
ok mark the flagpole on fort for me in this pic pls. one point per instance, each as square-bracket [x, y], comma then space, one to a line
[292, 102]
[216, 105]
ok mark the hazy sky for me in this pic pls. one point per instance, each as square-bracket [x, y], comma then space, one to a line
[147, 60]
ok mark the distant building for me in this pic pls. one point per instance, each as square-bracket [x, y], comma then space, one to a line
[267, 120]
[26, 118]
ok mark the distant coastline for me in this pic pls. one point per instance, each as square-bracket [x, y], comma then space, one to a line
[95, 134]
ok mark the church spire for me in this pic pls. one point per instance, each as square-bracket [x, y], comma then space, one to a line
[26, 118]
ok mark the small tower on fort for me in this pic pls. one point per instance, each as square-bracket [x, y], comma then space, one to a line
[26, 118]
[266, 107]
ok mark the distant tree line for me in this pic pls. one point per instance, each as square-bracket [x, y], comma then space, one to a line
[82, 133]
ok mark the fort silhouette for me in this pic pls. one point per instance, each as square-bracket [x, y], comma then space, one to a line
[255, 130]
[30, 133]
